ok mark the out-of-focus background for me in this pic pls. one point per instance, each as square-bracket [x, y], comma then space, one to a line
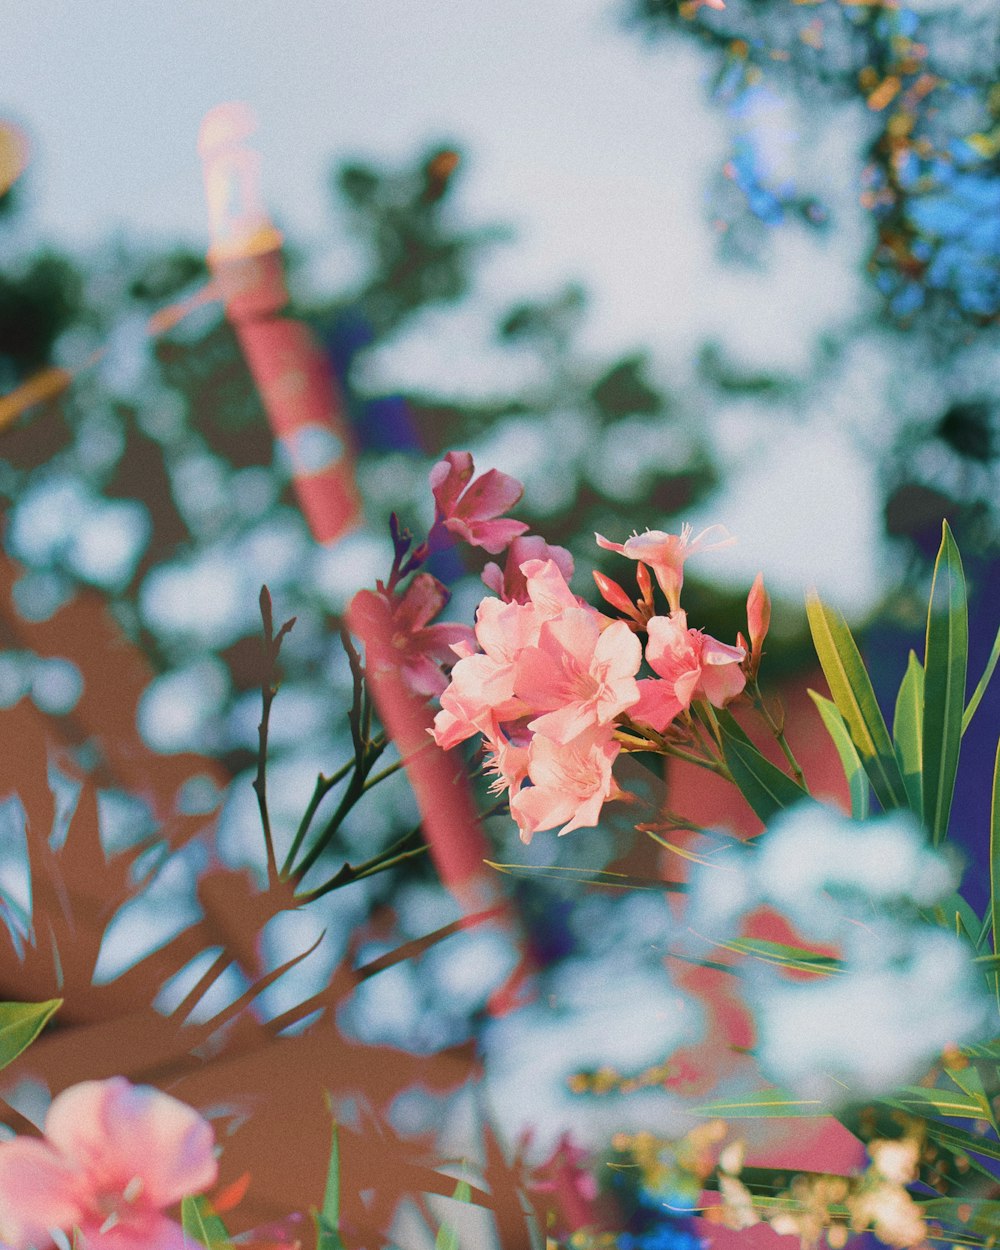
[665, 262]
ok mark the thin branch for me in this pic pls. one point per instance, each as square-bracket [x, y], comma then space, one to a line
[268, 689]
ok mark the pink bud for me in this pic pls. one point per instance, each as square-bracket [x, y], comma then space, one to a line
[615, 595]
[758, 618]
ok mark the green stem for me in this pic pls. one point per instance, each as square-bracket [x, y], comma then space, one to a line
[322, 788]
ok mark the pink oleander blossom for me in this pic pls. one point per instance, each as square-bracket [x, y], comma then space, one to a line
[409, 641]
[114, 1156]
[571, 782]
[473, 512]
[510, 583]
[665, 554]
[482, 689]
[691, 665]
[577, 676]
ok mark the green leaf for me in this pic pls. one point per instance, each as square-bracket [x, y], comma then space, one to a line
[945, 661]
[797, 957]
[852, 692]
[327, 1218]
[984, 681]
[971, 1215]
[850, 761]
[586, 876]
[995, 864]
[766, 788]
[447, 1237]
[765, 1104]
[200, 1221]
[20, 1024]
[944, 1102]
[908, 733]
[957, 1139]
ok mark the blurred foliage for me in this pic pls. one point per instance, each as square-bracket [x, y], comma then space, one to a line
[916, 83]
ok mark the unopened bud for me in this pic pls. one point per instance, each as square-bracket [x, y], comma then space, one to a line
[615, 595]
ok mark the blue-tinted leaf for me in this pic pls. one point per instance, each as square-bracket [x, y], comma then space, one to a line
[20, 1024]
[852, 692]
[850, 761]
[945, 661]
[908, 733]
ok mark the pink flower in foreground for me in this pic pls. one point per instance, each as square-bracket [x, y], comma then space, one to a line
[114, 1156]
[416, 647]
[691, 666]
[471, 512]
[482, 689]
[510, 583]
[578, 676]
[758, 619]
[571, 782]
[665, 554]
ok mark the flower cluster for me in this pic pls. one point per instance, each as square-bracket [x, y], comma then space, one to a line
[557, 689]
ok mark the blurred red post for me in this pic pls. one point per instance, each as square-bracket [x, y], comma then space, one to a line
[292, 375]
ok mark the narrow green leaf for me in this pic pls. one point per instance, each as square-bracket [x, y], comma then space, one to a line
[958, 1139]
[327, 1219]
[984, 681]
[850, 761]
[797, 957]
[200, 1222]
[908, 733]
[944, 1102]
[20, 1024]
[765, 1104]
[586, 876]
[970, 1215]
[945, 661]
[970, 1082]
[447, 1237]
[852, 692]
[995, 866]
[765, 787]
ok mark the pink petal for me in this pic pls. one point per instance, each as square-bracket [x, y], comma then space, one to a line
[146, 1231]
[448, 479]
[609, 546]
[722, 682]
[492, 536]
[657, 705]
[423, 600]
[490, 495]
[38, 1191]
[115, 1131]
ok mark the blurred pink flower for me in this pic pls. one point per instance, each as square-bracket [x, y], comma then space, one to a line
[692, 666]
[510, 582]
[577, 675]
[665, 554]
[471, 512]
[571, 782]
[114, 1156]
[408, 641]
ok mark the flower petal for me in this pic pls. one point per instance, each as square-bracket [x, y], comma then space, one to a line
[38, 1191]
[115, 1131]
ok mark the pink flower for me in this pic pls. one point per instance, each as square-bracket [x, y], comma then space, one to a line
[114, 1156]
[509, 582]
[692, 666]
[481, 692]
[665, 554]
[578, 676]
[571, 782]
[409, 642]
[471, 512]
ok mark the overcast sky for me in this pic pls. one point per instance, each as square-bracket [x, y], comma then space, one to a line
[594, 146]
